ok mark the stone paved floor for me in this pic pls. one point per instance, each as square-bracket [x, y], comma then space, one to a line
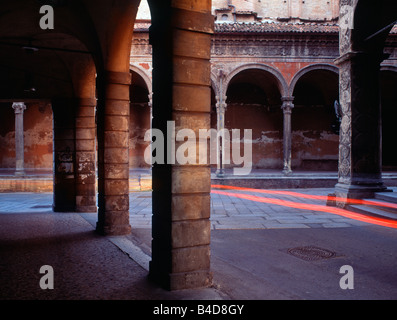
[230, 212]
[227, 210]
[248, 261]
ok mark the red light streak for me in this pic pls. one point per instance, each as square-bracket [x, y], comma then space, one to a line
[305, 206]
[314, 197]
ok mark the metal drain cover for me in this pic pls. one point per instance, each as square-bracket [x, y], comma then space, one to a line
[311, 253]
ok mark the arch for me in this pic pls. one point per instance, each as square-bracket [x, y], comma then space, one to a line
[312, 67]
[254, 98]
[146, 78]
[315, 125]
[281, 83]
[372, 24]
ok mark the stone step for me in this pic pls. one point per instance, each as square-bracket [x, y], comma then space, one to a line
[387, 196]
[373, 211]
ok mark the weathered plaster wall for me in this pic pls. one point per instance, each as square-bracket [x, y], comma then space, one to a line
[267, 135]
[37, 136]
[314, 145]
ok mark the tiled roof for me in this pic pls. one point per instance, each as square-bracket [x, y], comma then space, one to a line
[274, 27]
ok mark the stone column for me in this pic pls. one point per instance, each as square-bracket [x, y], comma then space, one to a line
[360, 156]
[113, 157]
[287, 107]
[19, 108]
[64, 190]
[220, 112]
[85, 156]
[181, 40]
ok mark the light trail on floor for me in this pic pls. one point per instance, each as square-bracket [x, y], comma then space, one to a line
[309, 196]
[305, 206]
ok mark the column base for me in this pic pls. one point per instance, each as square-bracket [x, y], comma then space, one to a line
[343, 192]
[181, 281]
[86, 209]
[114, 230]
[287, 171]
[220, 173]
[20, 173]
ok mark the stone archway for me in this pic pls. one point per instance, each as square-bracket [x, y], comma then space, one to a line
[280, 81]
[315, 125]
[254, 102]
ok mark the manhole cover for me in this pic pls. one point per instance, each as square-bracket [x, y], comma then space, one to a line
[311, 253]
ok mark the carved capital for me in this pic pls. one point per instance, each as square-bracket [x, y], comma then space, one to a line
[221, 104]
[19, 107]
[288, 104]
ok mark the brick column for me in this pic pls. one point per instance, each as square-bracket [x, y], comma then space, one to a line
[287, 133]
[113, 169]
[85, 156]
[19, 108]
[64, 155]
[181, 40]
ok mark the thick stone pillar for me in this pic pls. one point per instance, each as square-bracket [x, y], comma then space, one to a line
[360, 162]
[85, 155]
[181, 39]
[19, 108]
[113, 160]
[287, 107]
[64, 152]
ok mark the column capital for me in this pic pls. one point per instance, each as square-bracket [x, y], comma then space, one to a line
[221, 104]
[19, 107]
[376, 57]
[288, 104]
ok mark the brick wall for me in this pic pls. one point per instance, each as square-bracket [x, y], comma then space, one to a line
[306, 9]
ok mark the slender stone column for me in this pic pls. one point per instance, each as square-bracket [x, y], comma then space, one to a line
[220, 112]
[181, 41]
[19, 108]
[85, 156]
[287, 133]
[113, 156]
